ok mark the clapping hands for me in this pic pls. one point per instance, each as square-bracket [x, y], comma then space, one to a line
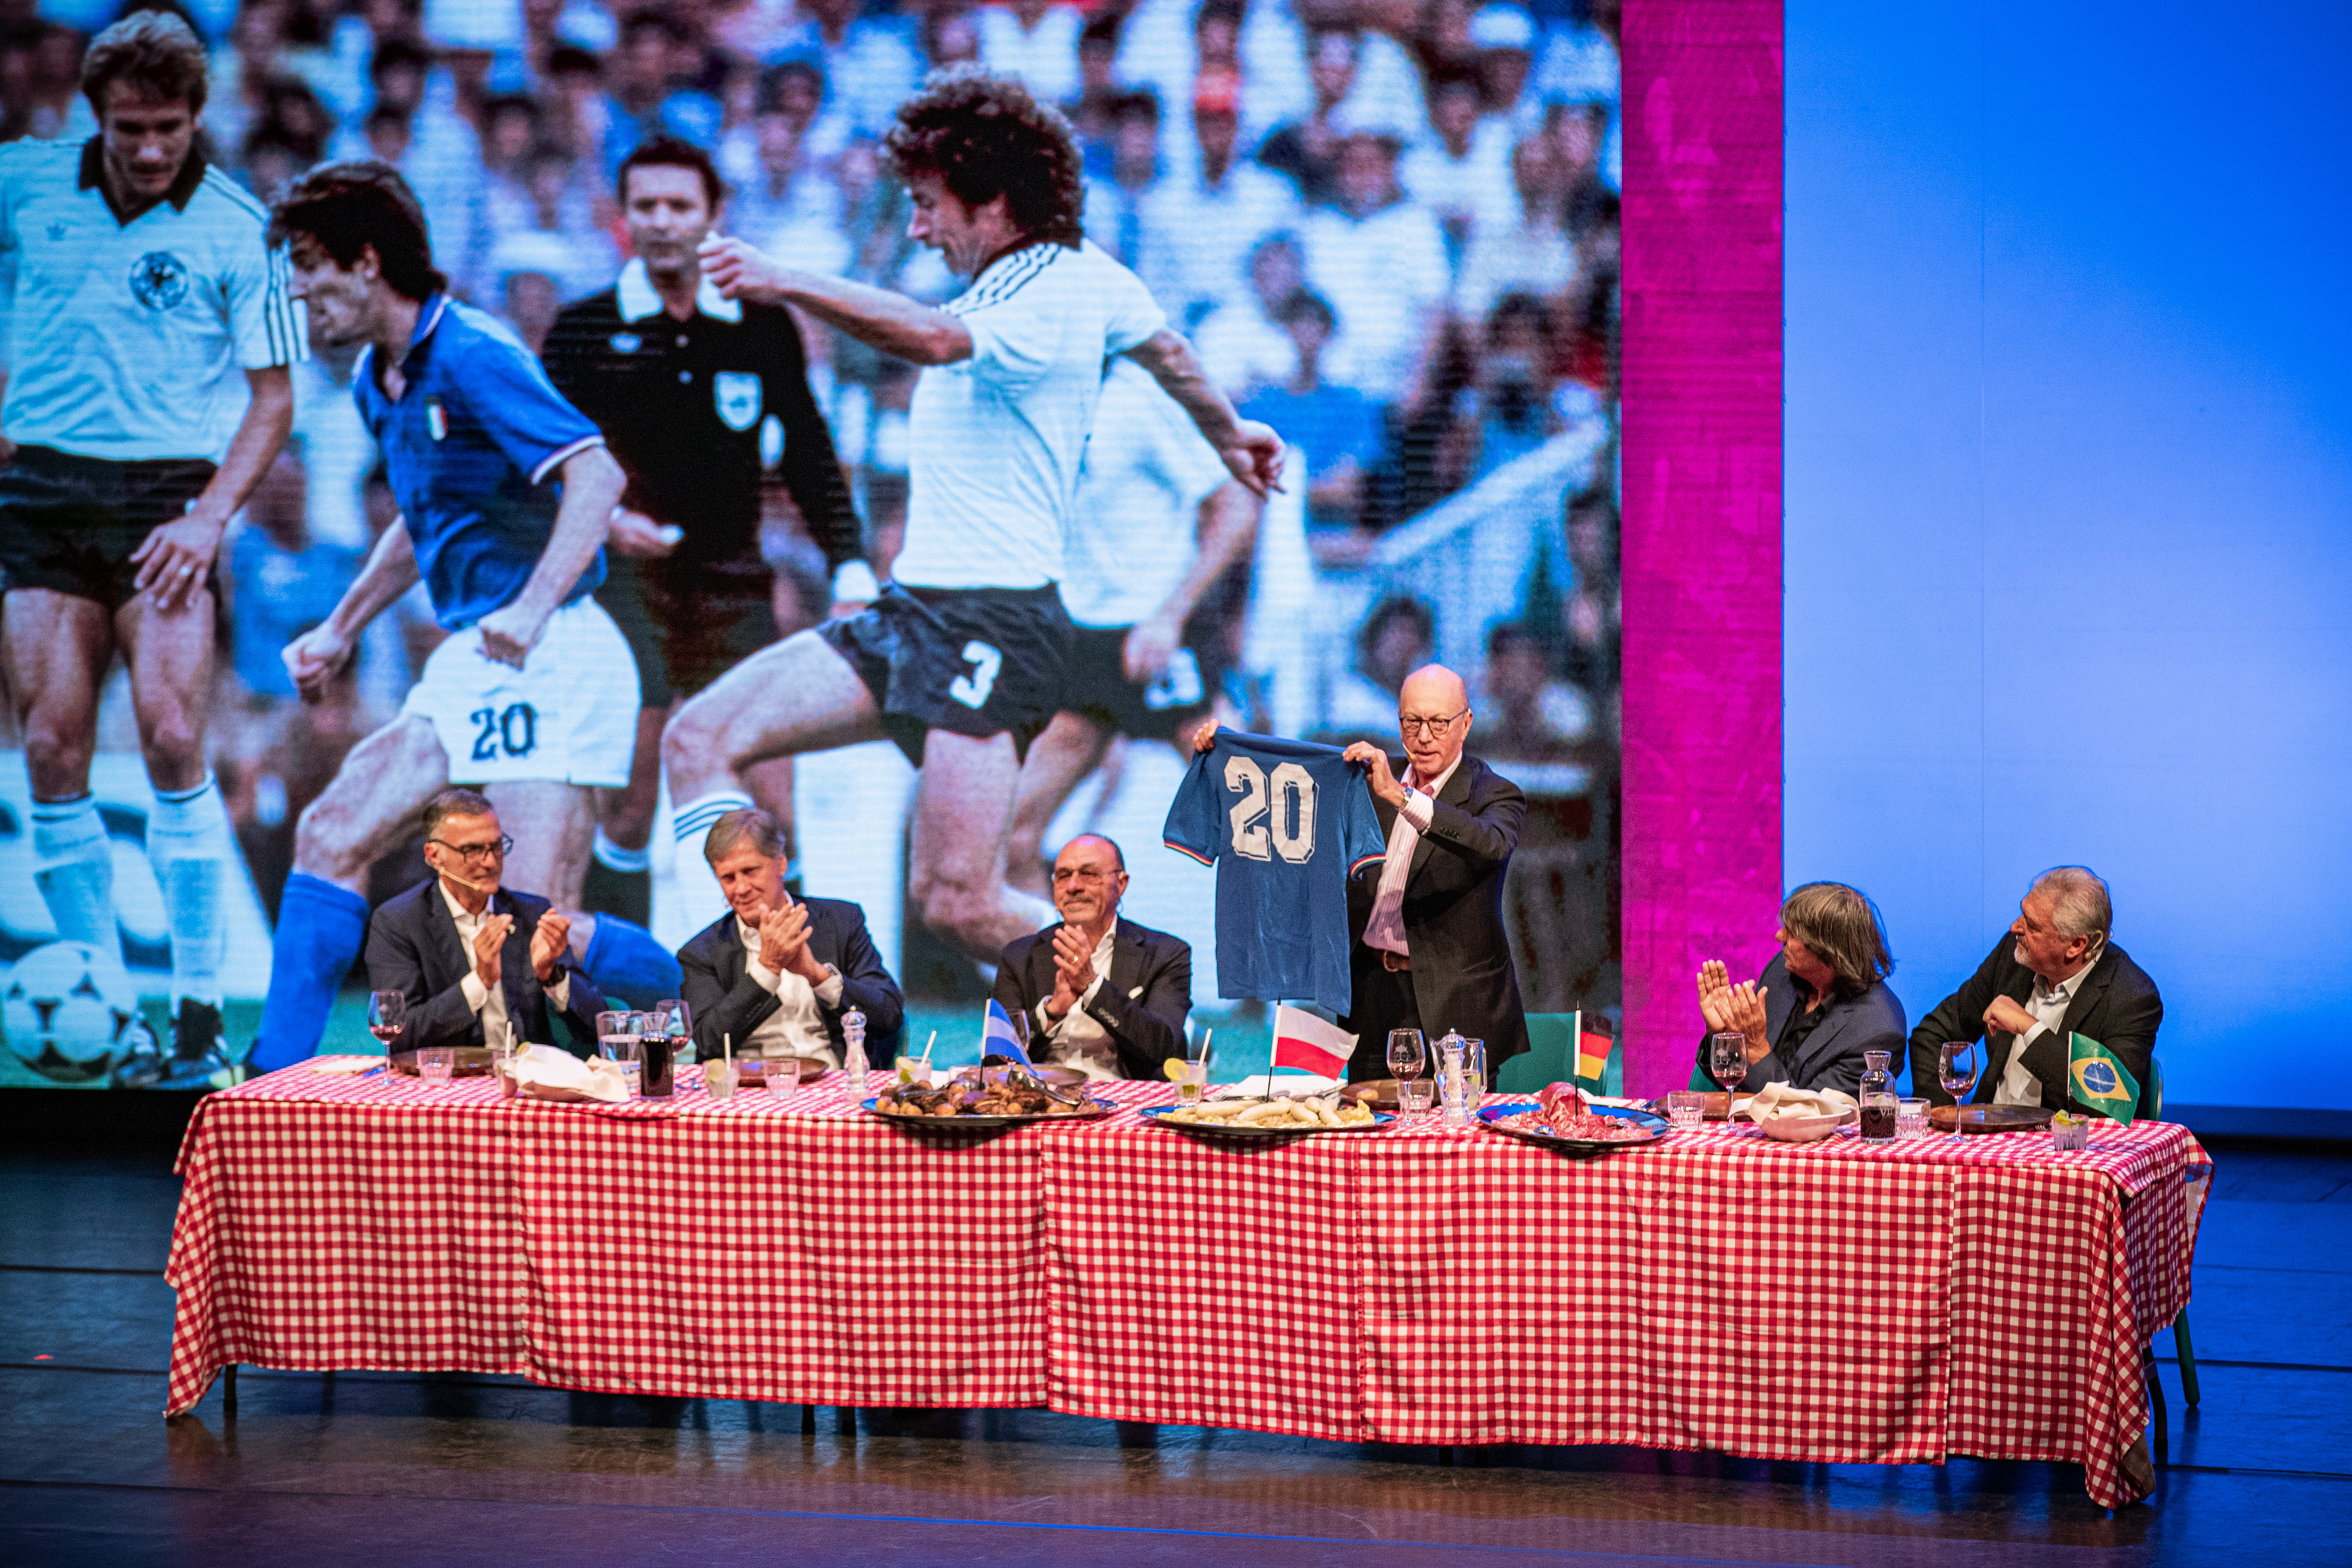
[1074, 969]
[1735, 1009]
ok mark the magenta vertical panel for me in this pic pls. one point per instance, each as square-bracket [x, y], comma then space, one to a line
[1702, 509]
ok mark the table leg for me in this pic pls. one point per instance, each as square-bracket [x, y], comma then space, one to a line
[847, 1418]
[228, 1390]
[808, 1420]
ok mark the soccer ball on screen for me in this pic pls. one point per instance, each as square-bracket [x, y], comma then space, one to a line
[68, 1009]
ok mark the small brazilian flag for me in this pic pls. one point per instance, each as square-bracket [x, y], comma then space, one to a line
[2100, 1081]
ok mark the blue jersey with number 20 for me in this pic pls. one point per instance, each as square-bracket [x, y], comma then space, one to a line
[1286, 823]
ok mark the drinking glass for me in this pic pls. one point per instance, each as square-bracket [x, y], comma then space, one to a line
[1728, 1056]
[387, 1016]
[1408, 1054]
[434, 1064]
[1413, 1098]
[620, 1037]
[1473, 1075]
[1195, 1081]
[1955, 1068]
[1686, 1109]
[1911, 1117]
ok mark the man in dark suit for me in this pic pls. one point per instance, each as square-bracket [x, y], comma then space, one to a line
[480, 964]
[1429, 951]
[1103, 994]
[777, 973]
[2054, 975]
[1820, 1007]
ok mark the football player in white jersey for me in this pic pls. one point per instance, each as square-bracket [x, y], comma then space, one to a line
[147, 391]
[960, 660]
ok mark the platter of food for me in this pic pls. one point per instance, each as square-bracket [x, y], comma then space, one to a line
[996, 1097]
[1562, 1118]
[1281, 1116]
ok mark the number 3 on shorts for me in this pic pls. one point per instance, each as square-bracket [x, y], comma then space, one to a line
[971, 690]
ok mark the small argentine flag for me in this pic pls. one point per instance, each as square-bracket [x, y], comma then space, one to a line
[2100, 1081]
[998, 1038]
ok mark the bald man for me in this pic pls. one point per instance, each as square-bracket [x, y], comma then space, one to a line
[1104, 996]
[1428, 948]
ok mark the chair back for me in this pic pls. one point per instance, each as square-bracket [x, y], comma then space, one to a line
[1579, 1048]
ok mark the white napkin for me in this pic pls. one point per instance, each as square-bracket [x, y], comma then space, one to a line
[543, 1073]
[1776, 1102]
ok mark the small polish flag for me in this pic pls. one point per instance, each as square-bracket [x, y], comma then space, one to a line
[1303, 1041]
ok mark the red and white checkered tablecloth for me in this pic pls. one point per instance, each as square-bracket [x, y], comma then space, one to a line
[771, 1246]
[1831, 1302]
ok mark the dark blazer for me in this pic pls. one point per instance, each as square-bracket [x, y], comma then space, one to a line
[413, 946]
[1831, 1056]
[1141, 1004]
[725, 999]
[2117, 1005]
[1462, 977]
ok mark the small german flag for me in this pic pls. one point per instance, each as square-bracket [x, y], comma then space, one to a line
[1593, 1048]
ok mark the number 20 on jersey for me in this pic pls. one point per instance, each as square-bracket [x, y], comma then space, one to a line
[1275, 813]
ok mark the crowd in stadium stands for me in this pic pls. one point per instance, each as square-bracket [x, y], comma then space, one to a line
[1390, 226]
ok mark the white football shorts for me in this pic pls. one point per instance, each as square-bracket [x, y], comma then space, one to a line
[568, 715]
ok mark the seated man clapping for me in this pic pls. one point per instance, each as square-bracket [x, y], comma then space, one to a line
[1820, 1003]
[480, 964]
[776, 973]
[1104, 996]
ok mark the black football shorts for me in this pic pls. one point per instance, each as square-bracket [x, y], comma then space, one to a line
[972, 661]
[70, 523]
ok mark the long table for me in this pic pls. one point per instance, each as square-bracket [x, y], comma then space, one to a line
[1833, 1301]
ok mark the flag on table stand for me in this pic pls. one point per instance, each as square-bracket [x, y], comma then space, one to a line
[2100, 1081]
[998, 1037]
[1593, 1045]
[1303, 1041]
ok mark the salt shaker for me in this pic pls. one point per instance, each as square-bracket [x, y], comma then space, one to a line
[853, 1052]
[1453, 1080]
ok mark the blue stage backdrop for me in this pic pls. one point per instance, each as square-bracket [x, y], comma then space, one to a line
[2070, 498]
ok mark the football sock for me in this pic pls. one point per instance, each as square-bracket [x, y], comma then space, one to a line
[74, 867]
[189, 844]
[320, 929]
[615, 857]
[695, 885]
[629, 966]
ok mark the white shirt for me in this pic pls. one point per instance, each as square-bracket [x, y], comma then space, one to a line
[796, 1027]
[1133, 530]
[130, 341]
[1197, 237]
[2018, 1086]
[1079, 1040]
[997, 437]
[1046, 59]
[1386, 927]
[1382, 274]
[490, 1006]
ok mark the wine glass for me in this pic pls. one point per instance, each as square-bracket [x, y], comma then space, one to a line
[1728, 1056]
[387, 1016]
[672, 1018]
[1956, 1069]
[1408, 1054]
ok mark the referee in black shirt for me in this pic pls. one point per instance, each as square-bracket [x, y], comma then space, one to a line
[703, 400]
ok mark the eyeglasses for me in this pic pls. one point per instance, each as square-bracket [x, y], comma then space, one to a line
[476, 854]
[1413, 727]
